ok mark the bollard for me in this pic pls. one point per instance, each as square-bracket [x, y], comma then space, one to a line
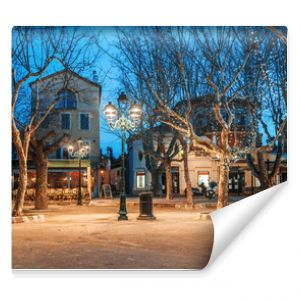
[146, 206]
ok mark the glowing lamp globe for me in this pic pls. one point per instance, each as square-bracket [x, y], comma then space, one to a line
[70, 149]
[135, 113]
[110, 113]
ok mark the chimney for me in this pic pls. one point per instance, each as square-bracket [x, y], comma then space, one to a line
[95, 76]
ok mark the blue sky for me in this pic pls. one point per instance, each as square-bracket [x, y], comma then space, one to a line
[111, 87]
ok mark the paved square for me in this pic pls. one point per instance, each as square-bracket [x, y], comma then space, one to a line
[91, 238]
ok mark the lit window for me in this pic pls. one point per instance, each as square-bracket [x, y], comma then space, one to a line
[257, 182]
[140, 180]
[84, 121]
[203, 178]
[65, 121]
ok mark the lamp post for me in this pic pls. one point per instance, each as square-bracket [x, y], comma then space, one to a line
[117, 119]
[82, 150]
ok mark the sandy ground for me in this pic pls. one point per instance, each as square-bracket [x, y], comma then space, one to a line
[92, 238]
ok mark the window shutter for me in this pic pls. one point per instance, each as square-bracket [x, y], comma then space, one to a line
[84, 121]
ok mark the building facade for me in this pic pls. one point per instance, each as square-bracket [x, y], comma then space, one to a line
[75, 113]
[202, 167]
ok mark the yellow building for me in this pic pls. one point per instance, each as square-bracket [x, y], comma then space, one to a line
[76, 113]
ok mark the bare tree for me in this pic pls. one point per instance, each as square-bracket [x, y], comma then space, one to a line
[151, 77]
[41, 150]
[270, 93]
[185, 151]
[35, 51]
[188, 63]
[224, 68]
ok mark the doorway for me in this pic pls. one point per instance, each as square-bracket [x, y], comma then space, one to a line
[174, 179]
[236, 182]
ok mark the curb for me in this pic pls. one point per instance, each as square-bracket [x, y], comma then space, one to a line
[197, 206]
[206, 205]
[177, 205]
[28, 219]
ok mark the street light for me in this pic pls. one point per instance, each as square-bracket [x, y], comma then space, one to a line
[82, 151]
[130, 123]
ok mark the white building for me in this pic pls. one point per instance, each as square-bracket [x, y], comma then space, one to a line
[202, 167]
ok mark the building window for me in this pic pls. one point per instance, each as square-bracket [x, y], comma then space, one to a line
[67, 100]
[203, 178]
[140, 155]
[257, 182]
[58, 153]
[66, 121]
[45, 123]
[62, 153]
[84, 121]
[140, 180]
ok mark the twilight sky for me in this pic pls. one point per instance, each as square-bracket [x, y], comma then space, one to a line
[107, 76]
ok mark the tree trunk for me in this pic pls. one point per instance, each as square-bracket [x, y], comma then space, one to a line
[40, 157]
[264, 173]
[156, 182]
[41, 188]
[189, 193]
[169, 193]
[20, 197]
[260, 171]
[223, 182]
[265, 183]
[22, 151]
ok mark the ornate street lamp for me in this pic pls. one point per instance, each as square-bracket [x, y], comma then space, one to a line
[130, 123]
[81, 151]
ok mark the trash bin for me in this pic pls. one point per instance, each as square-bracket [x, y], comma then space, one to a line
[146, 206]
